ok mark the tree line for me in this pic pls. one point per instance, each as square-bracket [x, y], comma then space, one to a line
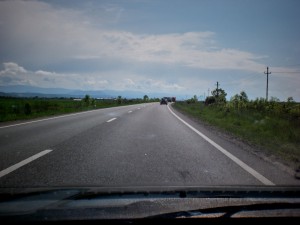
[240, 102]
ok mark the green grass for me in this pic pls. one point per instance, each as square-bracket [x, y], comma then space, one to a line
[275, 134]
[29, 108]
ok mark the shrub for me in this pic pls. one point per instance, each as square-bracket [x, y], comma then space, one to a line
[27, 108]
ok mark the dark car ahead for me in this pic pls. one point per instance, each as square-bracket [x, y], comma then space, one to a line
[163, 101]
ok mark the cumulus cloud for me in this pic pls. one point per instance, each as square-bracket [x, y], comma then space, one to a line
[13, 74]
[157, 84]
[44, 73]
[254, 84]
[39, 37]
[12, 68]
[36, 32]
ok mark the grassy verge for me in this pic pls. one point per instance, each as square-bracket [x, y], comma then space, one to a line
[29, 108]
[276, 135]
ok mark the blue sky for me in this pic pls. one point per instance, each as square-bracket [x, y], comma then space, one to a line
[181, 47]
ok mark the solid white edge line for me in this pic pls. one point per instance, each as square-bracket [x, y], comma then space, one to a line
[108, 121]
[253, 172]
[23, 163]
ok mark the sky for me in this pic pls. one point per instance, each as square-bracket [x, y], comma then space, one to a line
[180, 47]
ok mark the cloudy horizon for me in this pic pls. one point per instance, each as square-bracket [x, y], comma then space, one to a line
[175, 47]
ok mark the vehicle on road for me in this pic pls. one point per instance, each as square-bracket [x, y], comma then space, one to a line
[164, 101]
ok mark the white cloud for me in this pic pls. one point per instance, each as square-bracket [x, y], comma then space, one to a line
[12, 68]
[37, 35]
[13, 74]
[159, 85]
[44, 73]
[280, 85]
[42, 34]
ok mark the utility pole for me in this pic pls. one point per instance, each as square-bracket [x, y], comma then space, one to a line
[217, 89]
[208, 92]
[267, 82]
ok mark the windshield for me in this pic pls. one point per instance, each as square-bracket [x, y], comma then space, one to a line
[149, 94]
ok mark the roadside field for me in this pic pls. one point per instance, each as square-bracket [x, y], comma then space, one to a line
[273, 132]
[29, 108]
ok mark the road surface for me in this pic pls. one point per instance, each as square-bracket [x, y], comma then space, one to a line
[137, 145]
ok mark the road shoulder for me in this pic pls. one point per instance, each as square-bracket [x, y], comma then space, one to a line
[240, 143]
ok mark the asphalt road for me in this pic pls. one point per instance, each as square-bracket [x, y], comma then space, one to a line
[138, 145]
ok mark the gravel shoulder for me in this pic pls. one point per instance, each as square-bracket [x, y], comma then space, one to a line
[287, 166]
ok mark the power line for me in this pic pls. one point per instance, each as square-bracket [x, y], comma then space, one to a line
[236, 81]
[288, 65]
[286, 72]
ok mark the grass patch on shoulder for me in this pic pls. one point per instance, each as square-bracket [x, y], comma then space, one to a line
[277, 135]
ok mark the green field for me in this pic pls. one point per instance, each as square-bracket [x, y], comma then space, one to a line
[28, 108]
[272, 127]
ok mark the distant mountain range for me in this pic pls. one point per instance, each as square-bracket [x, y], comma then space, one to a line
[31, 91]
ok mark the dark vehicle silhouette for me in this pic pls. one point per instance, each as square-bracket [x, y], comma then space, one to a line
[164, 101]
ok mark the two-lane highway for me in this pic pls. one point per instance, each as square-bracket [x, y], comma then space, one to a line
[137, 145]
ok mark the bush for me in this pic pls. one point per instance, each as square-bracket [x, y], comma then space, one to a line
[210, 100]
[27, 109]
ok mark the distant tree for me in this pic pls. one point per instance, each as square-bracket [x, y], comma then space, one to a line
[119, 99]
[146, 98]
[27, 109]
[219, 94]
[274, 99]
[290, 99]
[15, 109]
[210, 100]
[192, 100]
[195, 98]
[93, 102]
[239, 101]
[243, 97]
[235, 99]
[87, 99]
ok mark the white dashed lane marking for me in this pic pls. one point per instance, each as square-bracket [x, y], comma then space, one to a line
[23, 163]
[108, 121]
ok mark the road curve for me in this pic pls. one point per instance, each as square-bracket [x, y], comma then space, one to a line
[137, 145]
